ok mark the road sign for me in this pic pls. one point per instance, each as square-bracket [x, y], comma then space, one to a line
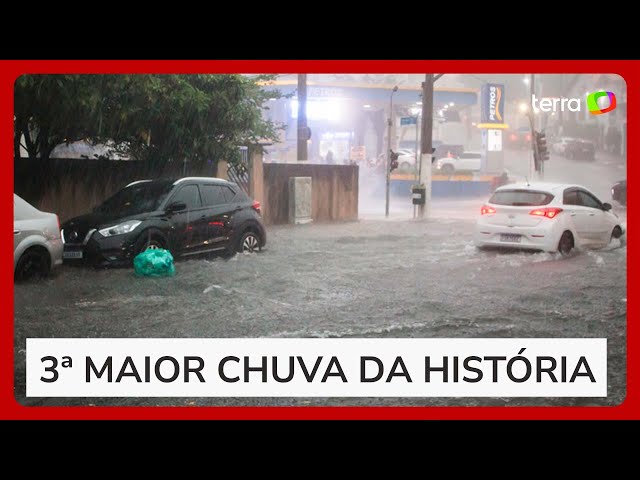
[408, 120]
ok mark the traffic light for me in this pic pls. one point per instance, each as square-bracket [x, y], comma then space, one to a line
[393, 164]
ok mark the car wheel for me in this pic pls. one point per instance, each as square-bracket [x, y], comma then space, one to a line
[616, 233]
[566, 243]
[405, 166]
[35, 262]
[147, 241]
[249, 243]
[448, 169]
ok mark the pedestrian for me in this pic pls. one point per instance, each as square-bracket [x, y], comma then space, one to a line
[329, 158]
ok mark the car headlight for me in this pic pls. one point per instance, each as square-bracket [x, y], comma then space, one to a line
[120, 229]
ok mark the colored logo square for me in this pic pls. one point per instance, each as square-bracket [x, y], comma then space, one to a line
[592, 102]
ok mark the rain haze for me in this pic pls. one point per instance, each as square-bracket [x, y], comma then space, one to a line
[384, 240]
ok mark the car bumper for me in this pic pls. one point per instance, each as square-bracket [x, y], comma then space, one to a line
[263, 235]
[101, 251]
[55, 250]
[530, 238]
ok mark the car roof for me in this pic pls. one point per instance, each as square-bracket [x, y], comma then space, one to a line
[215, 180]
[540, 187]
[176, 181]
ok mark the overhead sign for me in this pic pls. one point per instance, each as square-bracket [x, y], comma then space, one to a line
[492, 103]
[408, 120]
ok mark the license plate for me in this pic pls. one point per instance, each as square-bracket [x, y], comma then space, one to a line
[510, 237]
[72, 254]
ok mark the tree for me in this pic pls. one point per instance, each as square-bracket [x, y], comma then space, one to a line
[52, 109]
[156, 118]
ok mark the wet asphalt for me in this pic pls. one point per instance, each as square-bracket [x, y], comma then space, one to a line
[372, 278]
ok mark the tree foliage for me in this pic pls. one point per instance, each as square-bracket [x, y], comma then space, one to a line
[157, 118]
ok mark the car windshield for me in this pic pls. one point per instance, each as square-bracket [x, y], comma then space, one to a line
[520, 198]
[138, 198]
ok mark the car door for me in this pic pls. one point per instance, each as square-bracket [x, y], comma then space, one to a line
[469, 161]
[596, 224]
[572, 204]
[188, 235]
[220, 210]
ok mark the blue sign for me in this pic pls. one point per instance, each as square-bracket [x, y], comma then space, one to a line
[492, 103]
[408, 120]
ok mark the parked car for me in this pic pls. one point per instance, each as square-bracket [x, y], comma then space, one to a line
[37, 246]
[619, 192]
[447, 150]
[545, 216]
[579, 149]
[406, 159]
[560, 143]
[465, 161]
[187, 216]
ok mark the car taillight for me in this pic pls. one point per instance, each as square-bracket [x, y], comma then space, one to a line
[486, 209]
[528, 137]
[549, 212]
[514, 137]
[256, 206]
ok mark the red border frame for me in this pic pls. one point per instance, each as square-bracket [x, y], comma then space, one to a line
[10, 70]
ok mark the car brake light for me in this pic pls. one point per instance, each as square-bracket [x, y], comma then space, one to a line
[256, 206]
[550, 212]
[528, 137]
[486, 209]
[514, 137]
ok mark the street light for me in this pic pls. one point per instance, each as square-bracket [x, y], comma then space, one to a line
[523, 107]
[390, 123]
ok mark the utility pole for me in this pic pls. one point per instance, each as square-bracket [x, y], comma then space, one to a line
[534, 144]
[427, 137]
[388, 162]
[303, 130]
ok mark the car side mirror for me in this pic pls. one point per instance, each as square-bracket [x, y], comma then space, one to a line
[176, 207]
[606, 207]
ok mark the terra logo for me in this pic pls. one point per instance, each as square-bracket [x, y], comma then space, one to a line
[592, 102]
[597, 103]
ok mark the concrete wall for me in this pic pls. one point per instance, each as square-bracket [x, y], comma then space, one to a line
[334, 191]
[71, 187]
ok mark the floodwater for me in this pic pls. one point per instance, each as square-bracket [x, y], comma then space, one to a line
[373, 278]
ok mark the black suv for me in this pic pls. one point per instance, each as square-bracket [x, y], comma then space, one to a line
[187, 216]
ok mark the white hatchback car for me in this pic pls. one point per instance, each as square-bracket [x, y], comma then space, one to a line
[37, 244]
[545, 216]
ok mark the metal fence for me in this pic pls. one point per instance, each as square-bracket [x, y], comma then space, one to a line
[239, 173]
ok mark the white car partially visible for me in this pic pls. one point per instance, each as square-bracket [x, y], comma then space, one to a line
[560, 146]
[547, 217]
[37, 244]
[465, 161]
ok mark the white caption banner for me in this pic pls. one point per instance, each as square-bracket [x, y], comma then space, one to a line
[266, 367]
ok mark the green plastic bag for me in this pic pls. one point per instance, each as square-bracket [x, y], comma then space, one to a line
[154, 263]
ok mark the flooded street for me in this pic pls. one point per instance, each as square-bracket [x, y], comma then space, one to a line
[373, 278]
[319, 171]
